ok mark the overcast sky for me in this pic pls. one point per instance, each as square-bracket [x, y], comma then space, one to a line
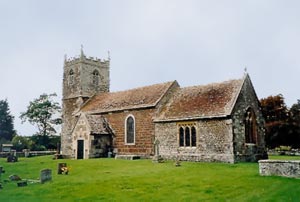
[192, 41]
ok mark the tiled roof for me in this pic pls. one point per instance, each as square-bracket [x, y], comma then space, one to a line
[98, 124]
[207, 101]
[142, 97]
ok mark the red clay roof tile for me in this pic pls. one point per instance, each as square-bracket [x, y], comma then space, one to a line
[213, 100]
[142, 97]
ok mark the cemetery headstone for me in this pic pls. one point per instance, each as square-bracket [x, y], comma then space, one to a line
[177, 160]
[11, 158]
[46, 175]
[14, 178]
[22, 184]
[1, 170]
[157, 158]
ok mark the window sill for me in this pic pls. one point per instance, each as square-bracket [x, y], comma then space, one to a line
[129, 144]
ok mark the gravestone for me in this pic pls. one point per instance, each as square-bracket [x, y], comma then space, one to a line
[22, 184]
[1, 171]
[46, 175]
[11, 158]
[177, 160]
[14, 178]
[157, 158]
[62, 168]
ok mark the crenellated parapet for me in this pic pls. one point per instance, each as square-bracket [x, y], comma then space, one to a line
[88, 60]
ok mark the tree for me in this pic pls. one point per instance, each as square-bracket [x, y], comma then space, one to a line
[282, 124]
[274, 109]
[20, 143]
[276, 115]
[6, 122]
[43, 112]
[294, 123]
[295, 113]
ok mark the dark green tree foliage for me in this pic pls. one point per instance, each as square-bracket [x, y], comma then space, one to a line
[282, 124]
[295, 113]
[6, 122]
[43, 112]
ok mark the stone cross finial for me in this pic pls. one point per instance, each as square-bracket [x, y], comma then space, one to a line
[108, 52]
[245, 70]
[81, 50]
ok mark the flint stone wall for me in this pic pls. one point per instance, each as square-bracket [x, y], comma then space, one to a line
[279, 168]
[214, 141]
[247, 151]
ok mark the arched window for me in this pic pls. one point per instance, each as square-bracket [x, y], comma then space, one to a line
[250, 127]
[181, 137]
[95, 77]
[187, 137]
[194, 138]
[130, 130]
[71, 77]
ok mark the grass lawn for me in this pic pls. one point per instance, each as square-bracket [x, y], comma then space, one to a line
[142, 180]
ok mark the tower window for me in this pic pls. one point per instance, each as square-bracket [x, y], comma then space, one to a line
[95, 77]
[71, 77]
[130, 130]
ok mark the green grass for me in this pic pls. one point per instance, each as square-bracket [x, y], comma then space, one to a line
[142, 180]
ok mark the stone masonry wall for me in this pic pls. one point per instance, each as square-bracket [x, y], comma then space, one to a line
[81, 88]
[144, 132]
[68, 122]
[243, 151]
[81, 132]
[279, 168]
[214, 141]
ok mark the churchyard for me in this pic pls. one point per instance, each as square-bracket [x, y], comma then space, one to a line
[142, 180]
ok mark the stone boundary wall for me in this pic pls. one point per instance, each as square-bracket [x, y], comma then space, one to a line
[279, 168]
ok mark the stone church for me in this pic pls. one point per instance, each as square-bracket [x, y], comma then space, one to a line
[218, 122]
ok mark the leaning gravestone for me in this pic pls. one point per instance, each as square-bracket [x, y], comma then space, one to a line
[46, 175]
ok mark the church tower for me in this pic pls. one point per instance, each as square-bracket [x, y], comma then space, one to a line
[82, 78]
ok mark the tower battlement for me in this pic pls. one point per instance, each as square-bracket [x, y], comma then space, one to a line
[90, 60]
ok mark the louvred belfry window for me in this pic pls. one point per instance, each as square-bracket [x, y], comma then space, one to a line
[71, 77]
[96, 78]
